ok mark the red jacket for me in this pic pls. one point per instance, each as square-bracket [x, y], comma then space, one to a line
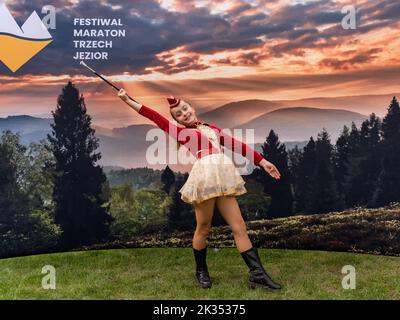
[195, 140]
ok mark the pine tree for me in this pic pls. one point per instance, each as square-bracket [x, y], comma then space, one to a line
[387, 189]
[294, 156]
[370, 164]
[341, 156]
[326, 197]
[78, 191]
[391, 122]
[305, 179]
[168, 179]
[355, 155]
[279, 189]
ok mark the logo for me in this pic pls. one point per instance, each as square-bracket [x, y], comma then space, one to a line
[19, 45]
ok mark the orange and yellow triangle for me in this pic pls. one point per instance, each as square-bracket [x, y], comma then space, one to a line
[15, 52]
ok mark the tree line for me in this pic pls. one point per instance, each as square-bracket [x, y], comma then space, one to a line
[362, 169]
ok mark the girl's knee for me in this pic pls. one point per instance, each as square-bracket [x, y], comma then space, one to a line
[202, 230]
[239, 230]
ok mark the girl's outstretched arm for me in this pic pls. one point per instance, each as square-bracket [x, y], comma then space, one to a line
[162, 122]
[238, 146]
[124, 97]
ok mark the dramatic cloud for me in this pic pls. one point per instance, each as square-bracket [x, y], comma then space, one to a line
[357, 58]
[212, 52]
[241, 33]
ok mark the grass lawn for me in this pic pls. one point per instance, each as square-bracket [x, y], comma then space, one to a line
[168, 273]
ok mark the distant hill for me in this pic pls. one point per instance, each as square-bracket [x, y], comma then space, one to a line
[25, 124]
[293, 124]
[108, 169]
[234, 114]
[31, 129]
[365, 104]
[127, 146]
[120, 147]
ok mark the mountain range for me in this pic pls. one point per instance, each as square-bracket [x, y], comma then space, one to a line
[126, 146]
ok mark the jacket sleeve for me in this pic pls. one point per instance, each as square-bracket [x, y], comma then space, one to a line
[163, 123]
[239, 147]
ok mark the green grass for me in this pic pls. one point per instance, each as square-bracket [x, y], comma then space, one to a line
[168, 273]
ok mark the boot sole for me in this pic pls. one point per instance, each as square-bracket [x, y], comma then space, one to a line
[254, 285]
[205, 286]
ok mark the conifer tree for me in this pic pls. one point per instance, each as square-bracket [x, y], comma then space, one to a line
[305, 179]
[280, 190]
[168, 179]
[78, 193]
[341, 156]
[387, 189]
[326, 197]
[294, 158]
[372, 165]
[355, 155]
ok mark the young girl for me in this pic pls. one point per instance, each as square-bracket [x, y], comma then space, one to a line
[213, 181]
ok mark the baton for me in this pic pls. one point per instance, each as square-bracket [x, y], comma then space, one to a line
[108, 82]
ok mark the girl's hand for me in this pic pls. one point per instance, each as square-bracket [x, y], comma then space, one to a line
[123, 95]
[270, 168]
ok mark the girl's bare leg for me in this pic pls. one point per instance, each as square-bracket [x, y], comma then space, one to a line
[230, 211]
[204, 213]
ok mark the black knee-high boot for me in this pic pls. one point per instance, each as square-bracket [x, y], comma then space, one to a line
[258, 276]
[202, 274]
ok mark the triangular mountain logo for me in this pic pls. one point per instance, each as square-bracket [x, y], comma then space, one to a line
[19, 45]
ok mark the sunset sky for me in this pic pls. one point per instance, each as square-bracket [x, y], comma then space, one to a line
[210, 53]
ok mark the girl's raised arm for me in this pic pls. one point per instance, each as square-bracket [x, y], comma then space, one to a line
[161, 122]
[124, 97]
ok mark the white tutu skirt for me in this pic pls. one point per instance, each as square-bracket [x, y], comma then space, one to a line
[212, 176]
